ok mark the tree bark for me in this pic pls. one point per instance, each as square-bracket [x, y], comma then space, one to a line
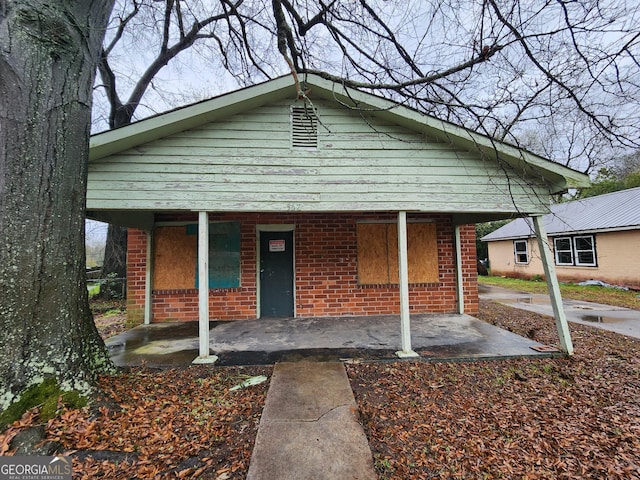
[115, 250]
[48, 58]
[115, 262]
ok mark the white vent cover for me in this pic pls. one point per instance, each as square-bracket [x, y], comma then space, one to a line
[304, 127]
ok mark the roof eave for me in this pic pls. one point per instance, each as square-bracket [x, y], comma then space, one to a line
[192, 116]
[567, 233]
[559, 177]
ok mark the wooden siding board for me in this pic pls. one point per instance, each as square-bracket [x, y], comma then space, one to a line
[427, 152]
[429, 167]
[232, 130]
[340, 193]
[372, 171]
[153, 180]
[295, 205]
[260, 207]
[300, 201]
[316, 184]
[279, 141]
[242, 174]
[345, 186]
[247, 163]
[234, 135]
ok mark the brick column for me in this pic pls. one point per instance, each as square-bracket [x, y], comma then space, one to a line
[136, 269]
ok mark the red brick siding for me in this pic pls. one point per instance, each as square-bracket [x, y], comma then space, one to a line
[326, 272]
[469, 268]
[136, 272]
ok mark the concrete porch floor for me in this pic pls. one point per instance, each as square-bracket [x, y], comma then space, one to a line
[271, 340]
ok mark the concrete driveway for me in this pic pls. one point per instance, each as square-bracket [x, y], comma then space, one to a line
[615, 319]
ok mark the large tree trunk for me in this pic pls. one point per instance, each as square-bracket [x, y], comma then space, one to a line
[115, 249]
[48, 58]
[114, 266]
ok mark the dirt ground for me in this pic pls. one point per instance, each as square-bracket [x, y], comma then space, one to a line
[110, 316]
[525, 419]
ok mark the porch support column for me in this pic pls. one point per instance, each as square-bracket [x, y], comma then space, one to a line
[403, 278]
[203, 290]
[554, 287]
[459, 283]
[148, 281]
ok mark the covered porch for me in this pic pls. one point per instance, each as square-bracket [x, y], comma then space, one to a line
[435, 337]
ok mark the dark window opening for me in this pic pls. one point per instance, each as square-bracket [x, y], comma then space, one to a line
[521, 251]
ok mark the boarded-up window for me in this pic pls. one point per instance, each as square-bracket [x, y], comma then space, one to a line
[176, 256]
[378, 253]
[174, 262]
[224, 254]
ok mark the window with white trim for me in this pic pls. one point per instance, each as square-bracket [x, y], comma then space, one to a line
[521, 251]
[579, 250]
[585, 249]
[562, 246]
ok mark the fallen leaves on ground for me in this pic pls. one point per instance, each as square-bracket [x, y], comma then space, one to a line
[559, 418]
[110, 316]
[181, 423]
[563, 418]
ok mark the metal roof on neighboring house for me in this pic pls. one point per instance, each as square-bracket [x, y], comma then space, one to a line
[611, 211]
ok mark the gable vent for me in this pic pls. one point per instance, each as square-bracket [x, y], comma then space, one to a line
[304, 127]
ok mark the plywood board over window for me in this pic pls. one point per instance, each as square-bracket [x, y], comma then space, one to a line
[176, 252]
[174, 258]
[378, 253]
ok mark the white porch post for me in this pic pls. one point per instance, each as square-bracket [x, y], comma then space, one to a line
[148, 281]
[459, 283]
[403, 278]
[554, 287]
[203, 290]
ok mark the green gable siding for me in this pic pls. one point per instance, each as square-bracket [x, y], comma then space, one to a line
[362, 163]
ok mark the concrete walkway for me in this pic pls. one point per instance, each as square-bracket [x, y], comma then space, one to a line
[309, 428]
[606, 317]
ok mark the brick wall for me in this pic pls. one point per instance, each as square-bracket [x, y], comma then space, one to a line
[469, 268]
[326, 272]
[136, 271]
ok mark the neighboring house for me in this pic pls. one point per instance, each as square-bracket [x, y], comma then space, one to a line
[293, 207]
[597, 238]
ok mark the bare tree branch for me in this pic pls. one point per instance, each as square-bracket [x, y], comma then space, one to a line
[552, 78]
[486, 55]
[121, 28]
[499, 66]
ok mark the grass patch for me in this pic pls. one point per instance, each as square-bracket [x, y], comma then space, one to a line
[47, 396]
[94, 289]
[591, 293]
